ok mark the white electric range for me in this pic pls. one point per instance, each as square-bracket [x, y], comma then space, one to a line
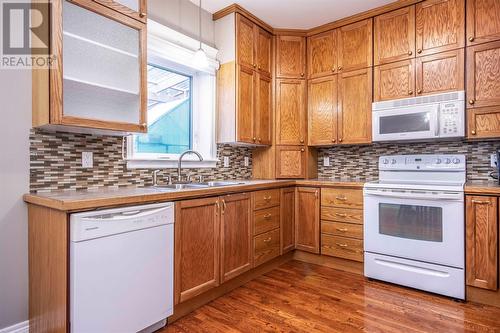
[414, 223]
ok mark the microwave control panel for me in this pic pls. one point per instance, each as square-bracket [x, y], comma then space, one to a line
[451, 119]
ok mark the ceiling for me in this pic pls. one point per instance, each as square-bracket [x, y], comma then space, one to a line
[297, 14]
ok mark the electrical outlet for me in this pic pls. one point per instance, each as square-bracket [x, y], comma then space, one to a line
[226, 161]
[326, 161]
[247, 161]
[87, 159]
[493, 160]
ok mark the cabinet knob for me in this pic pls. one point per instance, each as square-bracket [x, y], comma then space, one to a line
[419, 51]
[333, 140]
[471, 38]
[302, 150]
[260, 67]
[259, 139]
[301, 140]
[339, 68]
[302, 74]
[254, 139]
[410, 52]
[254, 65]
[410, 92]
[144, 125]
[340, 140]
[471, 101]
[142, 14]
[333, 69]
[419, 91]
[473, 132]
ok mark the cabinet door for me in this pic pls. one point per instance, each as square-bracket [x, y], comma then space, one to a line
[355, 46]
[236, 235]
[291, 162]
[197, 233]
[264, 51]
[102, 81]
[355, 107]
[307, 219]
[482, 242]
[322, 54]
[394, 34]
[394, 81]
[439, 73]
[291, 57]
[290, 112]
[287, 216]
[246, 99]
[483, 75]
[263, 110]
[133, 8]
[483, 21]
[322, 111]
[440, 26]
[483, 123]
[245, 42]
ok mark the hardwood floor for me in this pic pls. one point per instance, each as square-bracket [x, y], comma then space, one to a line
[301, 297]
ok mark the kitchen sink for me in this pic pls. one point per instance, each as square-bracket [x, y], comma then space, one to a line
[221, 183]
[186, 186]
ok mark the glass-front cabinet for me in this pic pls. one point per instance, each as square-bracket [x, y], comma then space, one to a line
[99, 78]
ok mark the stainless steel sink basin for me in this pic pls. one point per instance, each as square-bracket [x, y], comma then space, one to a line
[222, 183]
[185, 186]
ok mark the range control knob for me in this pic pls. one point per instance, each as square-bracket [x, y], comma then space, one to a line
[393, 161]
[456, 161]
[385, 161]
[438, 161]
[447, 161]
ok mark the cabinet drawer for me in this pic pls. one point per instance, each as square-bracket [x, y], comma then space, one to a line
[266, 199]
[341, 197]
[342, 215]
[342, 247]
[266, 246]
[266, 219]
[342, 229]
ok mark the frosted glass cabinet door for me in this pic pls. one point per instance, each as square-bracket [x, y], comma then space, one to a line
[133, 8]
[103, 67]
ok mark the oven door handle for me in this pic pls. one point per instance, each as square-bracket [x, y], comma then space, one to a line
[420, 195]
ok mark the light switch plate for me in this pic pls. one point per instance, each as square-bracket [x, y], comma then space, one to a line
[326, 161]
[493, 160]
[247, 161]
[226, 161]
[87, 159]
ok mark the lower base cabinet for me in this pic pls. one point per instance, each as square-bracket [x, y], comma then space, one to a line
[287, 219]
[307, 219]
[266, 246]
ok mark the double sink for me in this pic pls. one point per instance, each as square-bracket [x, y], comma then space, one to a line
[193, 186]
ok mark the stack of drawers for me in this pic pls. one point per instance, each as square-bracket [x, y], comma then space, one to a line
[266, 225]
[342, 223]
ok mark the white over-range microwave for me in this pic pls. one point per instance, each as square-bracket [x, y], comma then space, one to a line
[439, 116]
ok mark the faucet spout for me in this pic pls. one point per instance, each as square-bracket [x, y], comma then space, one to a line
[179, 167]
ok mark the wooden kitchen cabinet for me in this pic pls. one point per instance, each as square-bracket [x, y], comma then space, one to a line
[267, 225]
[290, 57]
[246, 104]
[291, 162]
[483, 75]
[136, 9]
[287, 219]
[355, 46]
[307, 205]
[355, 107]
[482, 242]
[394, 36]
[394, 81]
[322, 111]
[290, 112]
[236, 235]
[264, 46]
[440, 26]
[483, 21]
[322, 54]
[104, 90]
[483, 123]
[197, 247]
[263, 116]
[245, 37]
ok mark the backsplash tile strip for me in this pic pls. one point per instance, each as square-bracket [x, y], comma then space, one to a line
[361, 162]
[55, 163]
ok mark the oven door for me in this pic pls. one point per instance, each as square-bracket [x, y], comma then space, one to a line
[408, 123]
[420, 225]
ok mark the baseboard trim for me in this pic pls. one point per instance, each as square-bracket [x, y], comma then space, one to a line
[23, 327]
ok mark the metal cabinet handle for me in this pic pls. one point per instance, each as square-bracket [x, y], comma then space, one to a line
[473, 132]
[341, 245]
[339, 68]
[142, 14]
[410, 53]
[223, 206]
[419, 91]
[410, 92]
[481, 202]
[340, 140]
[471, 38]
[268, 216]
[267, 240]
[341, 198]
[342, 229]
[419, 51]
[471, 101]
[341, 214]
[217, 206]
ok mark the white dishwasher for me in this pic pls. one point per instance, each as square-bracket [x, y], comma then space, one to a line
[121, 269]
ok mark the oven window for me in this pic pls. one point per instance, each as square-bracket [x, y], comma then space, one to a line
[405, 123]
[412, 222]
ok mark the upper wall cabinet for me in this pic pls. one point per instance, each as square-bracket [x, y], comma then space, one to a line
[244, 103]
[322, 54]
[483, 21]
[440, 26]
[322, 111]
[290, 112]
[394, 81]
[355, 46]
[290, 57]
[133, 8]
[101, 81]
[394, 35]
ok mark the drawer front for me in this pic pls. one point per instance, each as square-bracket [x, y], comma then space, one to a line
[342, 247]
[342, 214]
[342, 229]
[266, 199]
[266, 220]
[266, 246]
[342, 197]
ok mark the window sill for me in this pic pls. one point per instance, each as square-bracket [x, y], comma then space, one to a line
[170, 164]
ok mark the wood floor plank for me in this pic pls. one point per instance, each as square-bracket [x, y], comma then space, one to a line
[300, 297]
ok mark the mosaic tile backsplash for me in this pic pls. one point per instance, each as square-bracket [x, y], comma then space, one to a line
[361, 162]
[55, 163]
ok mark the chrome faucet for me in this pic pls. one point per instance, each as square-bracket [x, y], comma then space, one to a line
[180, 161]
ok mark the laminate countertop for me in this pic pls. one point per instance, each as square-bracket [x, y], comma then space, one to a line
[482, 187]
[72, 201]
